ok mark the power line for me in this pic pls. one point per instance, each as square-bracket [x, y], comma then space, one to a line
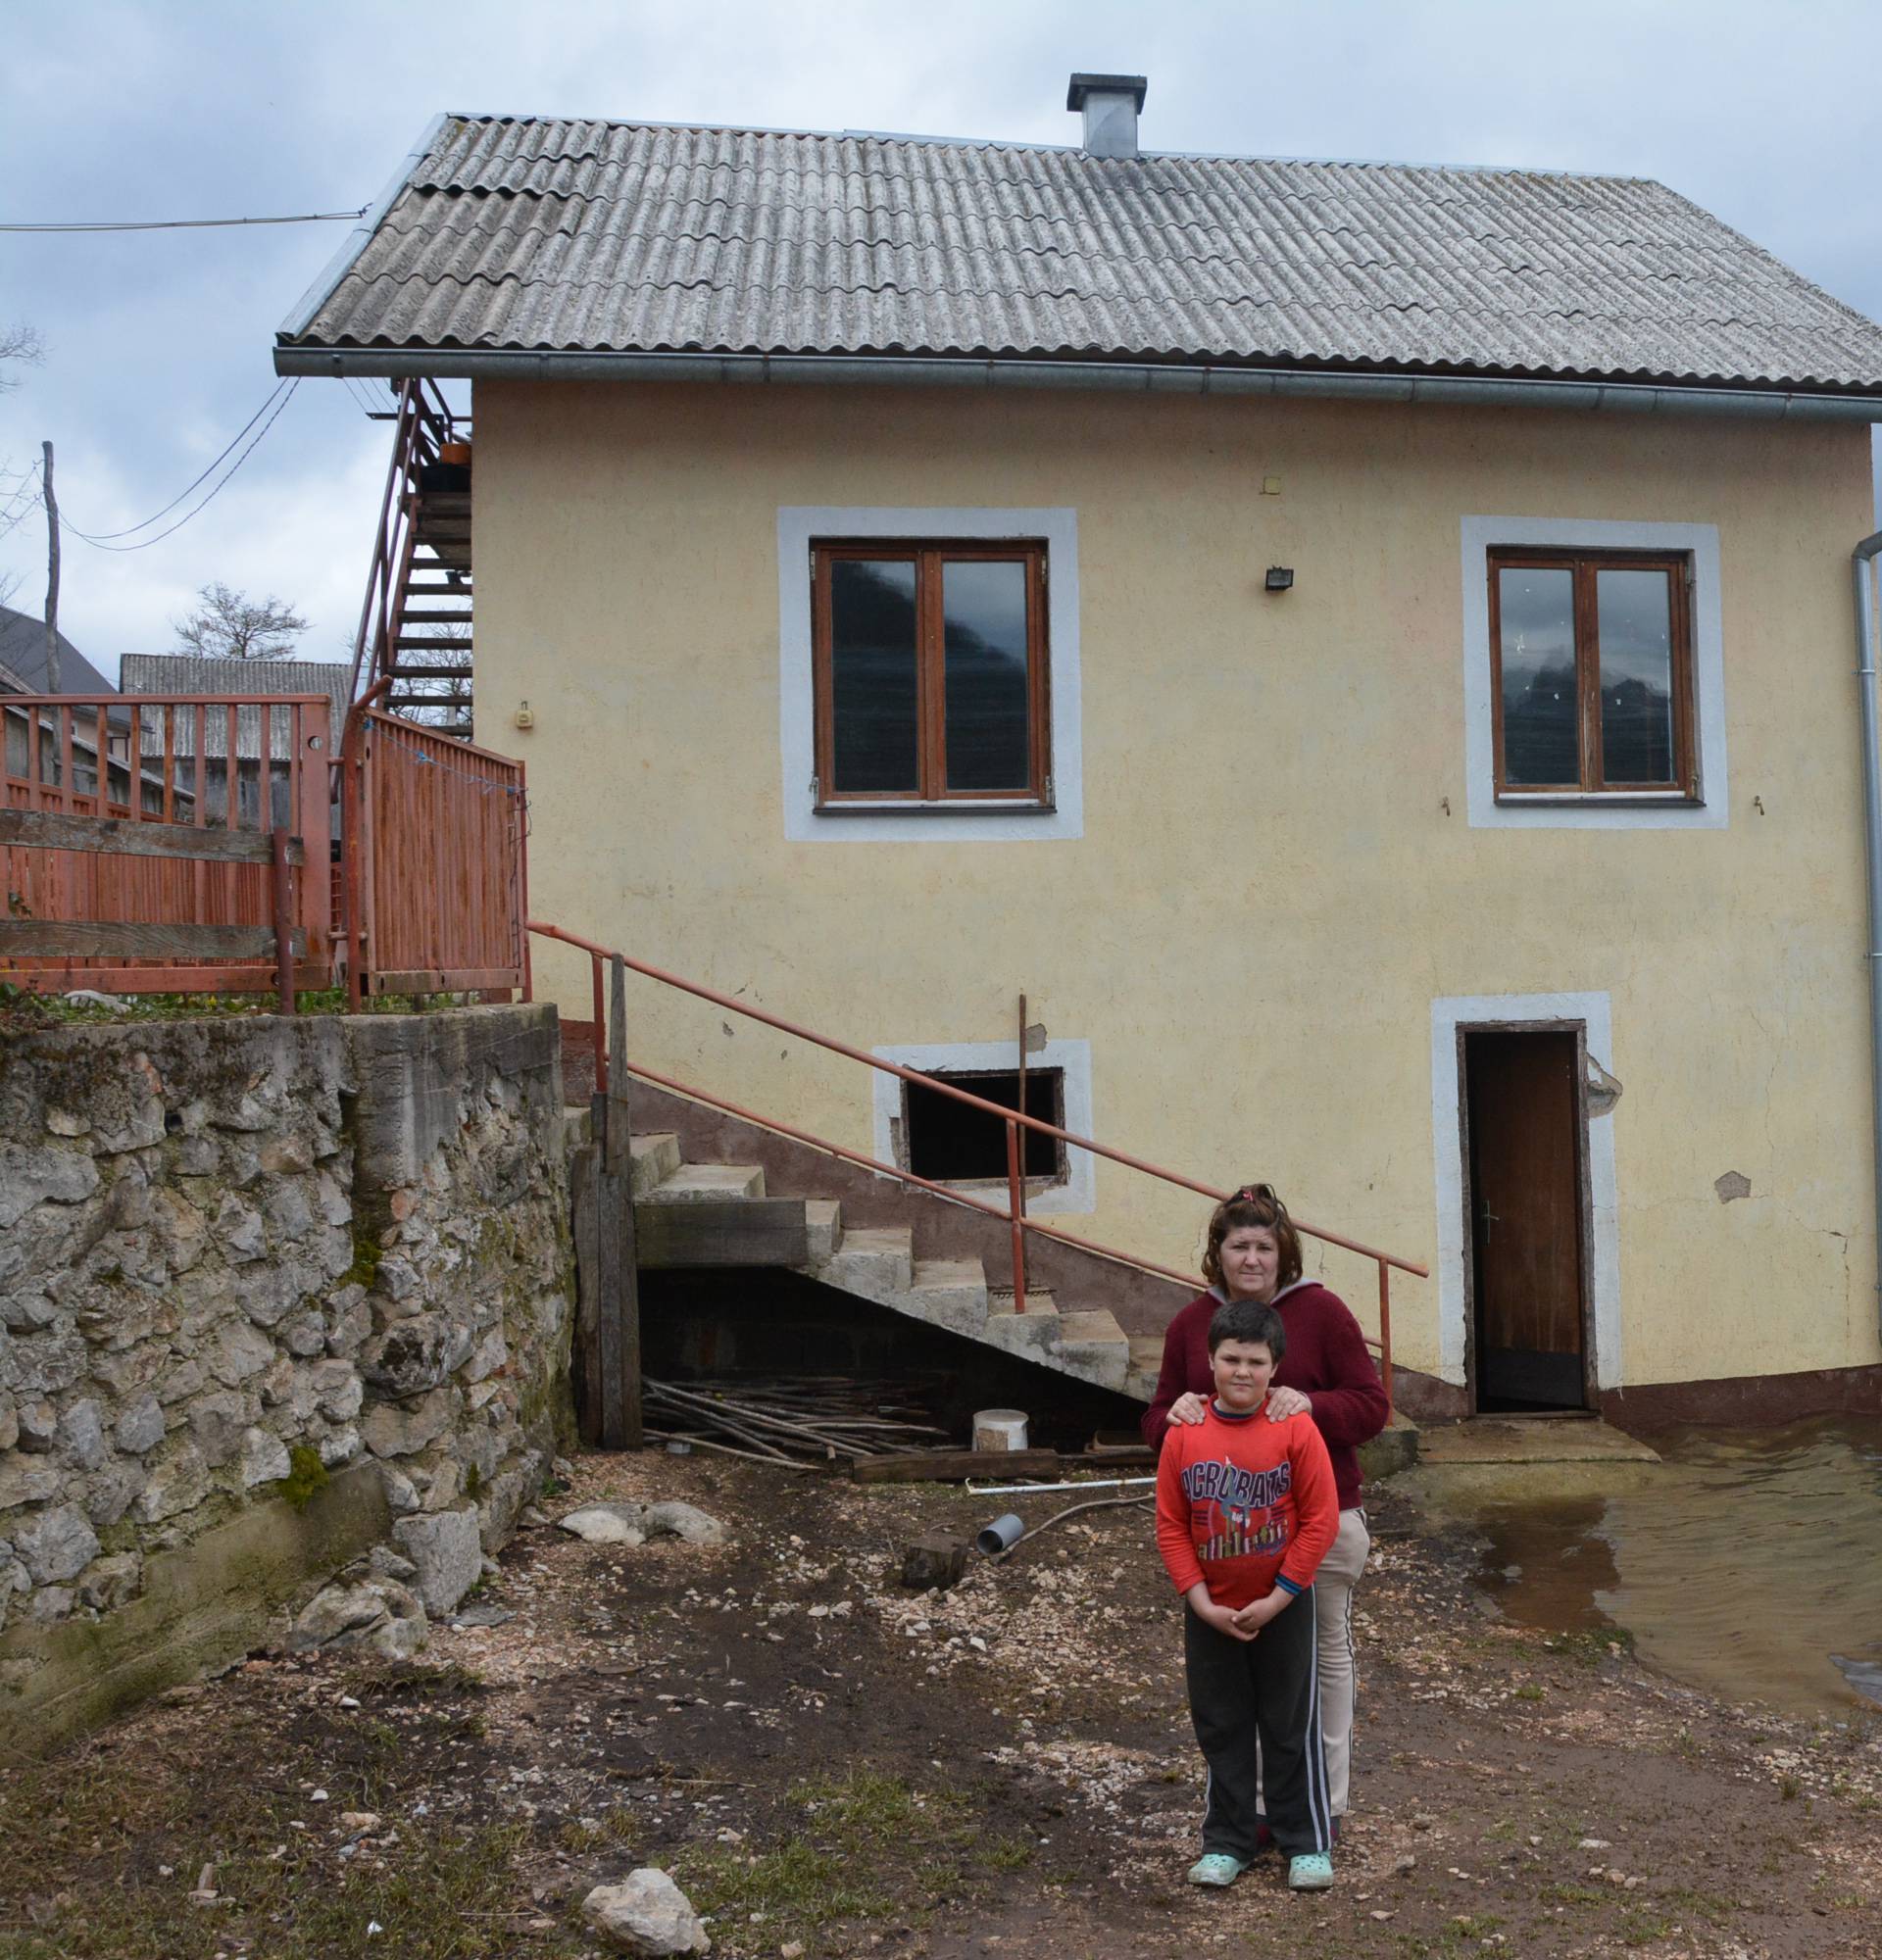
[215, 492]
[191, 223]
[105, 537]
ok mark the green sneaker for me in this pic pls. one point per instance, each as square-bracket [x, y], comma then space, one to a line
[1218, 1868]
[1309, 1872]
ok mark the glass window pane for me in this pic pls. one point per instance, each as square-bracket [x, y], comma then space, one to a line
[1536, 611]
[1636, 626]
[873, 686]
[984, 608]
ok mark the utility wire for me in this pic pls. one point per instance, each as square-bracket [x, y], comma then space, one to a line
[192, 223]
[105, 537]
[213, 493]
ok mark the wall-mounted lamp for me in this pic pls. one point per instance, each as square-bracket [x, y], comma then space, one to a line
[1280, 577]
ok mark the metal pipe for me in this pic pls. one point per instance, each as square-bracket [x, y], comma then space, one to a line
[1075, 1483]
[1864, 560]
[1017, 1212]
[1115, 377]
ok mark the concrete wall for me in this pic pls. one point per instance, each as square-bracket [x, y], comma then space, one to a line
[264, 1285]
[1277, 877]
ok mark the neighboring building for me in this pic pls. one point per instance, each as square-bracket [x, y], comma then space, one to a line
[23, 671]
[194, 674]
[23, 659]
[1364, 650]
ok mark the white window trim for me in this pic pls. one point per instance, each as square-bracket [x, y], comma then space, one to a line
[1072, 1058]
[798, 524]
[1604, 1203]
[1593, 811]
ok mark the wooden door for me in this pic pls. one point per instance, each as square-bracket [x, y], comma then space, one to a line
[1523, 1106]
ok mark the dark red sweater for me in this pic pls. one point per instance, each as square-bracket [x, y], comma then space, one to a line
[1326, 1359]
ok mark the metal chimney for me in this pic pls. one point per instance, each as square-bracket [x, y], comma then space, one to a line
[1110, 103]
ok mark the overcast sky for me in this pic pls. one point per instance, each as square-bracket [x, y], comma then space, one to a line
[157, 344]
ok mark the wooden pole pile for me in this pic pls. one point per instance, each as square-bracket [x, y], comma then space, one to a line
[800, 1420]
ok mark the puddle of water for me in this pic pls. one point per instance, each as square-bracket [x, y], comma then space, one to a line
[1749, 1564]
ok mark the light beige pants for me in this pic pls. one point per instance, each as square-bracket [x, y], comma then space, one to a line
[1334, 1586]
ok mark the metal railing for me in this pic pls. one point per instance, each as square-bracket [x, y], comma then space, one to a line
[423, 421]
[1014, 1215]
[166, 843]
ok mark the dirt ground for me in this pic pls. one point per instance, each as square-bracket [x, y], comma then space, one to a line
[833, 1766]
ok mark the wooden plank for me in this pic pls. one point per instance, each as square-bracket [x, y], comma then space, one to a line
[47, 830]
[100, 939]
[722, 1232]
[613, 1202]
[617, 1214]
[953, 1466]
[583, 1168]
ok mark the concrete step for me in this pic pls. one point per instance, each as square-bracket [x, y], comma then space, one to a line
[824, 1221]
[1092, 1345]
[950, 1294]
[655, 1158]
[1033, 1334]
[694, 1183]
[1146, 1364]
[876, 1264]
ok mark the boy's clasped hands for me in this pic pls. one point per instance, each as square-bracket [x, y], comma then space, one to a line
[1241, 1623]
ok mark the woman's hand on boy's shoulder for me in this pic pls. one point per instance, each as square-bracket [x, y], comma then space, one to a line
[1283, 1403]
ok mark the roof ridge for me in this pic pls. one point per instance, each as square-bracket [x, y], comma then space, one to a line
[1016, 143]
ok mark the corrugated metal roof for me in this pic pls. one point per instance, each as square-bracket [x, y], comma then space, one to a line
[612, 237]
[188, 673]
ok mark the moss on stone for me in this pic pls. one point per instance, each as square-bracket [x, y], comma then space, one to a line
[367, 1255]
[306, 1476]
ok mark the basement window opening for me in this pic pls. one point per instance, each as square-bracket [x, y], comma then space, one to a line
[953, 1143]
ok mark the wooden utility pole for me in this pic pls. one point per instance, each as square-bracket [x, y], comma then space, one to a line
[52, 573]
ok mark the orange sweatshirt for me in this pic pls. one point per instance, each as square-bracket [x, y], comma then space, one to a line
[1245, 1504]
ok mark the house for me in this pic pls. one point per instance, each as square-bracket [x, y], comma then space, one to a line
[1363, 649]
[174, 674]
[24, 671]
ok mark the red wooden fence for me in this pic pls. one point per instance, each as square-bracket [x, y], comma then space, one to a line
[244, 764]
[437, 885]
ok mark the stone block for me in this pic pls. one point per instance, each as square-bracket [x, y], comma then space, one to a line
[81, 1435]
[264, 1458]
[393, 1430]
[141, 1426]
[305, 1335]
[109, 1582]
[27, 1480]
[55, 1544]
[645, 1914]
[178, 1483]
[217, 1423]
[340, 1446]
[29, 1177]
[239, 1230]
[240, 1353]
[38, 1425]
[339, 1393]
[444, 1548]
[109, 1494]
[416, 1354]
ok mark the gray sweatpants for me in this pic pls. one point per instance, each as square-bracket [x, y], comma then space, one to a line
[1257, 1706]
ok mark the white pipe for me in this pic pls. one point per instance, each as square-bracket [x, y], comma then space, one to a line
[1076, 1484]
[1865, 675]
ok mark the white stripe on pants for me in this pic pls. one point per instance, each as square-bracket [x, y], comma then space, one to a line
[1334, 1586]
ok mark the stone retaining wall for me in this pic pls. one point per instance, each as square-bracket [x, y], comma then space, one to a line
[266, 1285]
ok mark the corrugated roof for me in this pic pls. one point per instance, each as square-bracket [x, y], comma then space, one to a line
[188, 674]
[539, 233]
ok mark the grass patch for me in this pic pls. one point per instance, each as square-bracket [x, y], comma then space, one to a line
[83, 1843]
[865, 1846]
[1531, 1691]
[1591, 1646]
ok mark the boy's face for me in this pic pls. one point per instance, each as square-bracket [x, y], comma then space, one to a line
[1243, 1370]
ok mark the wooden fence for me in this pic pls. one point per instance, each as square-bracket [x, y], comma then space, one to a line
[161, 844]
[436, 870]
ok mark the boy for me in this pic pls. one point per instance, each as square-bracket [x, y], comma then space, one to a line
[1245, 1510]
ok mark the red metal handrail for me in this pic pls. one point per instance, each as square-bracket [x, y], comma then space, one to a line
[1012, 1119]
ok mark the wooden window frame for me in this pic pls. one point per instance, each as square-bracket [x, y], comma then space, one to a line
[929, 555]
[1584, 567]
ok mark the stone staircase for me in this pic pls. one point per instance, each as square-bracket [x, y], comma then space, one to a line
[716, 1214]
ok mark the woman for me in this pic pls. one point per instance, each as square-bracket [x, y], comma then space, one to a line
[1254, 1253]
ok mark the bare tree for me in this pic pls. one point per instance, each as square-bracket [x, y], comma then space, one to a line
[228, 625]
[17, 342]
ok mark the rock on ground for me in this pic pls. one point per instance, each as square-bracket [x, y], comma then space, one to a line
[378, 1614]
[445, 1549]
[648, 1914]
[636, 1524]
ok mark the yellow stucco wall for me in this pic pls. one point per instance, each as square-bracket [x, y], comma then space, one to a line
[1271, 890]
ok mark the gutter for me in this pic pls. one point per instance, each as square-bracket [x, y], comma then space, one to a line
[1110, 377]
[1864, 558]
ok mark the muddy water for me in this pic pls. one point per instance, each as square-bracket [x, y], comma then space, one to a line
[1747, 1563]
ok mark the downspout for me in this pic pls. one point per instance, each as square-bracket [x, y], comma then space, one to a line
[1864, 556]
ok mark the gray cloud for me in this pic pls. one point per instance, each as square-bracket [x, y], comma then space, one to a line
[158, 344]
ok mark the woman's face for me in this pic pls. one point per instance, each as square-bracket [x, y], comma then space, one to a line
[1250, 1257]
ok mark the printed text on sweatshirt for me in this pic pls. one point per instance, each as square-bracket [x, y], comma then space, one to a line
[1245, 1504]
